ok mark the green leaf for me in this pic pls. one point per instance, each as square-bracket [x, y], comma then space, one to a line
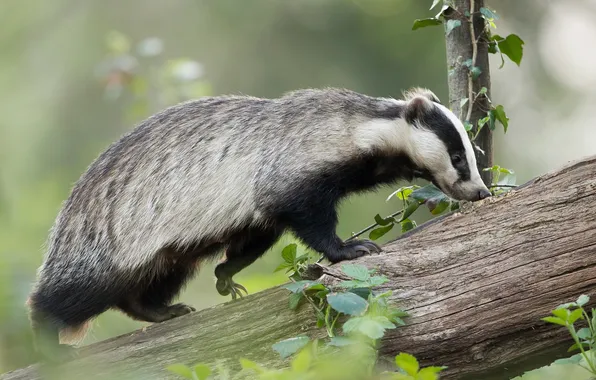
[379, 232]
[463, 102]
[373, 327]
[567, 305]
[181, 370]
[410, 210]
[434, 4]
[408, 363]
[362, 292]
[575, 315]
[561, 313]
[511, 46]
[299, 286]
[294, 300]
[320, 321]
[341, 341]
[302, 361]
[356, 271]
[582, 300]
[407, 225]
[489, 14]
[347, 303]
[492, 47]
[397, 321]
[575, 346]
[423, 23]
[483, 91]
[383, 221]
[289, 253]
[555, 320]
[584, 333]
[475, 71]
[288, 347]
[429, 373]
[575, 359]
[403, 192]
[377, 280]
[468, 126]
[452, 24]
[441, 206]
[501, 116]
[482, 122]
[353, 284]
[202, 371]
[283, 266]
[427, 192]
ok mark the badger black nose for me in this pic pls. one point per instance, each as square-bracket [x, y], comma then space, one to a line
[483, 194]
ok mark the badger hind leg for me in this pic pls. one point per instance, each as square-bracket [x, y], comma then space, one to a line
[172, 269]
[151, 303]
[244, 249]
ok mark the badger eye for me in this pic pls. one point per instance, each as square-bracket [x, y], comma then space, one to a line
[456, 159]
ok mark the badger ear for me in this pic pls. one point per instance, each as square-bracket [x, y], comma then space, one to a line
[419, 91]
[416, 108]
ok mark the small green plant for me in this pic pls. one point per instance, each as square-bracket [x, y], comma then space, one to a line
[293, 264]
[312, 361]
[567, 315]
[410, 369]
[369, 312]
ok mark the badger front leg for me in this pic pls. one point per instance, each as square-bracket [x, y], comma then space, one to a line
[245, 247]
[316, 228]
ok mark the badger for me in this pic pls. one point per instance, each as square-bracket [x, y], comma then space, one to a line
[229, 174]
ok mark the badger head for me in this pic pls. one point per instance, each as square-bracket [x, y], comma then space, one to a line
[439, 146]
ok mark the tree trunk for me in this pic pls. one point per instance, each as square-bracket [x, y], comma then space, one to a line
[460, 47]
[475, 282]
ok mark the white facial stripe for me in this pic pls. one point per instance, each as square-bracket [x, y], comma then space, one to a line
[384, 134]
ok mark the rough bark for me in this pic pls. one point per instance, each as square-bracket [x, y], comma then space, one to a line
[476, 283]
[459, 49]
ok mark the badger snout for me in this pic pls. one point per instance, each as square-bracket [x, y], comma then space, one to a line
[483, 193]
[476, 194]
[467, 191]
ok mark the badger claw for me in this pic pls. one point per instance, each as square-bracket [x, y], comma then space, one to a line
[367, 246]
[226, 286]
[354, 249]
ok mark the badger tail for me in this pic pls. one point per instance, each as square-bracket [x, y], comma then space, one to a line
[74, 335]
[46, 333]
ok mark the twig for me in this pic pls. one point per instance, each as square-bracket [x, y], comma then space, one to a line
[511, 186]
[474, 55]
[373, 226]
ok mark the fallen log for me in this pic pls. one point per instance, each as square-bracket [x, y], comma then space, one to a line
[475, 282]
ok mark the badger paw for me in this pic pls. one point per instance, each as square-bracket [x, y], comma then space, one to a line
[354, 249]
[226, 286]
[178, 310]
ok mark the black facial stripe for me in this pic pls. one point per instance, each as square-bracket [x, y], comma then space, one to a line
[437, 122]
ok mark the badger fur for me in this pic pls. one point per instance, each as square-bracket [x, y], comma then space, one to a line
[232, 173]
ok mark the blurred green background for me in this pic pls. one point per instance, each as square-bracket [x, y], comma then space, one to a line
[76, 74]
